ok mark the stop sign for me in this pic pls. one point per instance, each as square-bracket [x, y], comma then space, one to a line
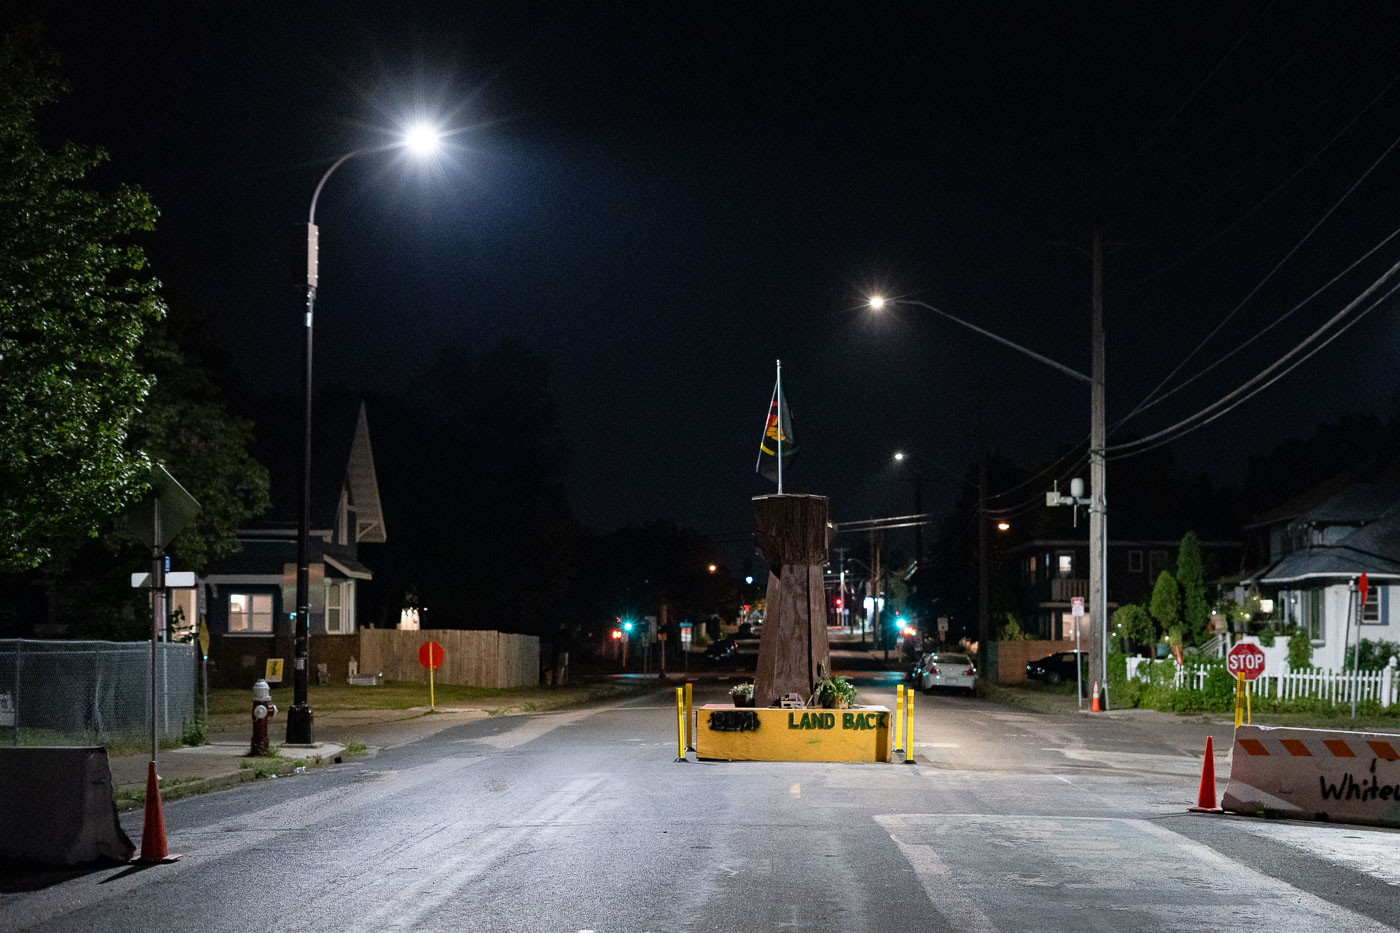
[1245, 659]
[430, 655]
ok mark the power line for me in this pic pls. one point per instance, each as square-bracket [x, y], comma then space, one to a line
[1176, 430]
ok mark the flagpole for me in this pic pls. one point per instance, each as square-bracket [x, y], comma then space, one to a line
[779, 394]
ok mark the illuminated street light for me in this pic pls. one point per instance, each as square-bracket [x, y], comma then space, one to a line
[420, 140]
[1003, 526]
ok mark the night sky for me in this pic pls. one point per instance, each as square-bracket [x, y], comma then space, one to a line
[663, 199]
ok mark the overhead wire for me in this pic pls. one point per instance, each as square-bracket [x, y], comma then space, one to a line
[1181, 427]
[1255, 290]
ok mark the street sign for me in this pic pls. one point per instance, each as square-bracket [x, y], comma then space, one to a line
[431, 655]
[165, 511]
[1076, 606]
[1245, 659]
[942, 625]
[175, 580]
[203, 637]
[274, 671]
[687, 633]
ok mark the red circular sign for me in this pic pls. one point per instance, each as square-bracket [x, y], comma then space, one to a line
[430, 655]
[1245, 659]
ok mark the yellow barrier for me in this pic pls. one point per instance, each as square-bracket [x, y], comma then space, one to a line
[909, 728]
[689, 727]
[898, 714]
[771, 734]
[681, 723]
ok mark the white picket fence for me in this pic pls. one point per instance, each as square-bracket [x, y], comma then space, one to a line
[1313, 683]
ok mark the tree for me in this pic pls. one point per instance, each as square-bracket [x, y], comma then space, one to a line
[1165, 606]
[1190, 574]
[75, 301]
[1134, 627]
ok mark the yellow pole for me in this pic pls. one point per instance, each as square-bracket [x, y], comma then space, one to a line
[689, 712]
[1239, 699]
[680, 724]
[899, 713]
[909, 728]
[432, 703]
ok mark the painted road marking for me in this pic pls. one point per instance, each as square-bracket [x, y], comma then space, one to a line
[796, 790]
[1072, 872]
[1359, 848]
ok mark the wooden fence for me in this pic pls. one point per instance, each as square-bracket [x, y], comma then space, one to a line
[475, 658]
[1331, 686]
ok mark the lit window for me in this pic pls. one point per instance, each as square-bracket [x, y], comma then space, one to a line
[332, 607]
[250, 612]
[1066, 564]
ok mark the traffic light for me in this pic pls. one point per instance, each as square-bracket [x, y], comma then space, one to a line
[839, 602]
[616, 634]
[627, 626]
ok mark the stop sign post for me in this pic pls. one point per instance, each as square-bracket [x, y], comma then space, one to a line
[431, 656]
[1246, 662]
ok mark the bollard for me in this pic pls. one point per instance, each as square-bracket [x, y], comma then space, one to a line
[680, 724]
[909, 728]
[1239, 700]
[689, 719]
[899, 713]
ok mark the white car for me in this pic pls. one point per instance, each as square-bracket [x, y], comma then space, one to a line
[953, 671]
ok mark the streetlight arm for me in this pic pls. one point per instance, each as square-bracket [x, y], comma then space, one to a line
[316, 195]
[1002, 340]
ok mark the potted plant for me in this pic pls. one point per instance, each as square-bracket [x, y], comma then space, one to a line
[741, 694]
[835, 692]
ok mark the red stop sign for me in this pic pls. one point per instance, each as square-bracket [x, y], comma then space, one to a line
[1245, 659]
[430, 655]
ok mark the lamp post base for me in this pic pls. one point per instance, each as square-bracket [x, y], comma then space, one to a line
[299, 719]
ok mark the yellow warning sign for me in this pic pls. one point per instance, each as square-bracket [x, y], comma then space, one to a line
[274, 671]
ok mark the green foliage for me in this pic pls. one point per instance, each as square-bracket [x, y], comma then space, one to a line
[1266, 637]
[75, 300]
[1299, 649]
[741, 690]
[1374, 654]
[1190, 575]
[1011, 631]
[832, 691]
[1134, 628]
[1165, 605]
[195, 733]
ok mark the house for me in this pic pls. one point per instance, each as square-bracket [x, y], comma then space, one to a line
[249, 598]
[1050, 572]
[1317, 556]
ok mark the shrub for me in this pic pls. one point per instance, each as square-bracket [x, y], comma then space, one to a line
[1299, 649]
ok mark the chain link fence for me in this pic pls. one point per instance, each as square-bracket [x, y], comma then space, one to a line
[93, 692]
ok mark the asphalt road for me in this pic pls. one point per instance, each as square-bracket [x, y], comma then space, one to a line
[582, 820]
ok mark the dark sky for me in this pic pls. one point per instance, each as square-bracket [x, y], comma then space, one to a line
[665, 198]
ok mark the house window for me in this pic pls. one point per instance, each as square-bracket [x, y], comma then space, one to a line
[1313, 620]
[250, 612]
[1373, 613]
[1156, 563]
[1066, 564]
[339, 608]
[1134, 562]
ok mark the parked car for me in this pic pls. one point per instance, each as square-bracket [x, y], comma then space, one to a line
[949, 671]
[722, 649]
[1053, 668]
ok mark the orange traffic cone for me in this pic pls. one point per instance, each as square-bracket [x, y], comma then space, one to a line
[1096, 708]
[153, 849]
[1205, 797]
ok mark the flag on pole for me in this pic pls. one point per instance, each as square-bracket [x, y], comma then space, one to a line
[778, 446]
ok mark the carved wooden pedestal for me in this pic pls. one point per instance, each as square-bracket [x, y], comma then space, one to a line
[791, 535]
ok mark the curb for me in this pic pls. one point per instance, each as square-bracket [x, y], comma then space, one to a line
[234, 778]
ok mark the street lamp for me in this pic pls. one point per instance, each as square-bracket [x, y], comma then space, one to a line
[1098, 540]
[421, 140]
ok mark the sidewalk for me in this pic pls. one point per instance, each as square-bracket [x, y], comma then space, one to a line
[225, 762]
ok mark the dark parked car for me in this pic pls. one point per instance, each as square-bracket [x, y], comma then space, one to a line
[1054, 668]
[723, 649]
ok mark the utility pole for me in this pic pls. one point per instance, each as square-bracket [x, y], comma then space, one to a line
[842, 609]
[879, 603]
[1098, 508]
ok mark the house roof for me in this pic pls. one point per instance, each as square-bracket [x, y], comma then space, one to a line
[1357, 504]
[1373, 550]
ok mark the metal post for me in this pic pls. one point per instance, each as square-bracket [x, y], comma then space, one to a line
[984, 609]
[1078, 662]
[1098, 508]
[1346, 635]
[299, 716]
[157, 589]
[19, 670]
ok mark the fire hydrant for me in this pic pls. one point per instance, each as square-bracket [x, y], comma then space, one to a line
[263, 710]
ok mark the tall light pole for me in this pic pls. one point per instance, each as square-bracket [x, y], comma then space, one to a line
[420, 140]
[1098, 549]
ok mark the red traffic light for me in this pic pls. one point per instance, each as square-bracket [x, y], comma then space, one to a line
[838, 602]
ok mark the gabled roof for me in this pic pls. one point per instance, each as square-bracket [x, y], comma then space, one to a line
[364, 486]
[1373, 550]
[1374, 473]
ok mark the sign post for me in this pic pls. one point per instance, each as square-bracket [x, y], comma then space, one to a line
[1076, 607]
[431, 655]
[1245, 662]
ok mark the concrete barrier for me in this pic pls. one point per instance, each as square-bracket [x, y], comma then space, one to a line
[56, 807]
[1315, 774]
